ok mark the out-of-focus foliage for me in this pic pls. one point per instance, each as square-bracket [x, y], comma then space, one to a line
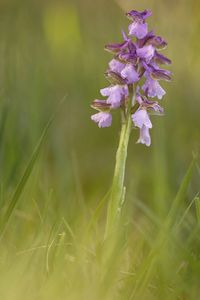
[54, 49]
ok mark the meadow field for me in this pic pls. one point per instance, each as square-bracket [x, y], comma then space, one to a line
[56, 165]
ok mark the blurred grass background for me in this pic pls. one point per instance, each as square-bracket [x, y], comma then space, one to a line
[54, 49]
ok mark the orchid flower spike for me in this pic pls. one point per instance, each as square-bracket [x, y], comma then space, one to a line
[135, 66]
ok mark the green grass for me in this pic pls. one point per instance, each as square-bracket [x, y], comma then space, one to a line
[148, 257]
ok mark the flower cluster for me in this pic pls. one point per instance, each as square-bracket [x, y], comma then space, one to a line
[136, 63]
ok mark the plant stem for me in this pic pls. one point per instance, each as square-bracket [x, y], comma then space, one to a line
[118, 189]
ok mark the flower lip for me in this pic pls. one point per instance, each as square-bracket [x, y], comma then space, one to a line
[116, 66]
[135, 15]
[146, 52]
[130, 74]
[138, 28]
[145, 137]
[103, 119]
[116, 95]
[141, 117]
[152, 88]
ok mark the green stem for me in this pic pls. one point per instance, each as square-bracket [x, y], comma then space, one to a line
[118, 189]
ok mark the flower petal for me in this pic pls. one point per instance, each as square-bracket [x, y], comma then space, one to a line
[105, 92]
[103, 119]
[141, 118]
[134, 14]
[145, 137]
[146, 52]
[138, 29]
[130, 74]
[116, 66]
[153, 88]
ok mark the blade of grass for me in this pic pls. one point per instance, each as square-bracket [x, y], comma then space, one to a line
[3, 121]
[97, 211]
[51, 241]
[25, 176]
[163, 237]
[197, 205]
[181, 193]
[148, 212]
[186, 212]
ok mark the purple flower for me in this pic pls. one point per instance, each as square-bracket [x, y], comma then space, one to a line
[136, 15]
[130, 74]
[145, 137]
[116, 66]
[116, 94]
[141, 118]
[156, 108]
[153, 89]
[129, 56]
[103, 119]
[128, 53]
[138, 28]
[134, 60]
[153, 70]
[145, 103]
[152, 106]
[151, 39]
[146, 52]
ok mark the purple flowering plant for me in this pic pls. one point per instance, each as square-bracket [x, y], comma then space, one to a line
[134, 74]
